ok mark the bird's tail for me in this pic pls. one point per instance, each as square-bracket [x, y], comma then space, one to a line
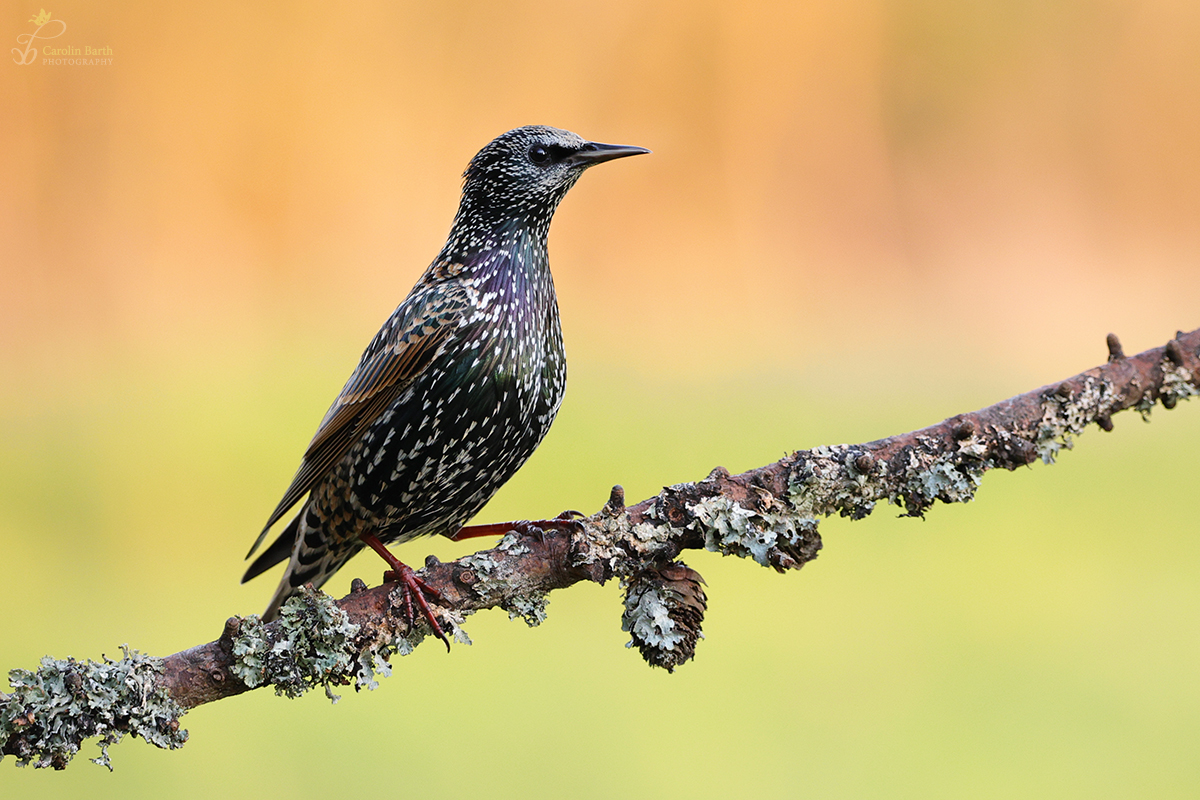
[312, 560]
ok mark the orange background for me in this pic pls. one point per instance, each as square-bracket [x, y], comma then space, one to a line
[859, 218]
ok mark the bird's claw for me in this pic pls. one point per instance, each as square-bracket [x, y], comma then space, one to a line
[566, 521]
[416, 589]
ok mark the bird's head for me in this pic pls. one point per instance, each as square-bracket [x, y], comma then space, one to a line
[523, 174]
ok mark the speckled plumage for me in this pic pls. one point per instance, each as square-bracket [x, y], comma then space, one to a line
[461, 383]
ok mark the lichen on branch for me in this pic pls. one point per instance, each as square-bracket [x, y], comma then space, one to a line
[54, 708]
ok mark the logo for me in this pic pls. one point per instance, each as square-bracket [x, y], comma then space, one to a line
[65, 55]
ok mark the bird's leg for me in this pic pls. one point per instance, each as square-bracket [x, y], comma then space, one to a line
[567, 520]
[414, 587]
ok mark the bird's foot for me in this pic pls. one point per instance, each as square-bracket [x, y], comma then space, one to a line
[415, 590]
[567, 520]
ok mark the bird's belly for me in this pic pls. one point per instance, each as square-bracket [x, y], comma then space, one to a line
[433, 460]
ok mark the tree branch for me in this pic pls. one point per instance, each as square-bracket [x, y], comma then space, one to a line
[769, 514]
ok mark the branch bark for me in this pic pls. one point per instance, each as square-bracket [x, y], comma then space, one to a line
[768, 514]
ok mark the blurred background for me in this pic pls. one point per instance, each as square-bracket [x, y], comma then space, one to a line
[859, 218]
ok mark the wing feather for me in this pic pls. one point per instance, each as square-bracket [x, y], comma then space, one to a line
[386, 370]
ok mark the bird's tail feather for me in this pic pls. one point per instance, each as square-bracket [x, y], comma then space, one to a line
[312, 561]
[279, 550]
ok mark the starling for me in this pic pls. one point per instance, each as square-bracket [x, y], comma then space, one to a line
[458, 387]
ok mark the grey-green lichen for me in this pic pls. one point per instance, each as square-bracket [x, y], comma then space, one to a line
[52, 709]
[371, 654]
[372, 664]
[379, 649]
[771, 538]
[451, 622]
[1178, 384]
[312, 645]
[619, 544]
[942, 480]
[1066, 414]
[648, 617]
[484, 564]
[315, 644]
[664, 609]
[827, 481]
[848, 481]
[530, 607]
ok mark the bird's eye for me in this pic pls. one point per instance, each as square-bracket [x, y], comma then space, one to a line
[539, 155]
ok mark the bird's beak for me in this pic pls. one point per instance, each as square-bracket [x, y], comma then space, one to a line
[597, 153]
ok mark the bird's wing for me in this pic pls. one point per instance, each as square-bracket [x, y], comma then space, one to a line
[397, 355]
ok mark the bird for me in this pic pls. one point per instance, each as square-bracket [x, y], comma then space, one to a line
[454, 392]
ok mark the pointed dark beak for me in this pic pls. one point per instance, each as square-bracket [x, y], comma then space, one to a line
[597, 153]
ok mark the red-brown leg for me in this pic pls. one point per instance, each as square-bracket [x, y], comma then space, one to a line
[564, 521]
[414, 587]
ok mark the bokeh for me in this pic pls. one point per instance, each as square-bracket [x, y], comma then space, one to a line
[859, 218]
